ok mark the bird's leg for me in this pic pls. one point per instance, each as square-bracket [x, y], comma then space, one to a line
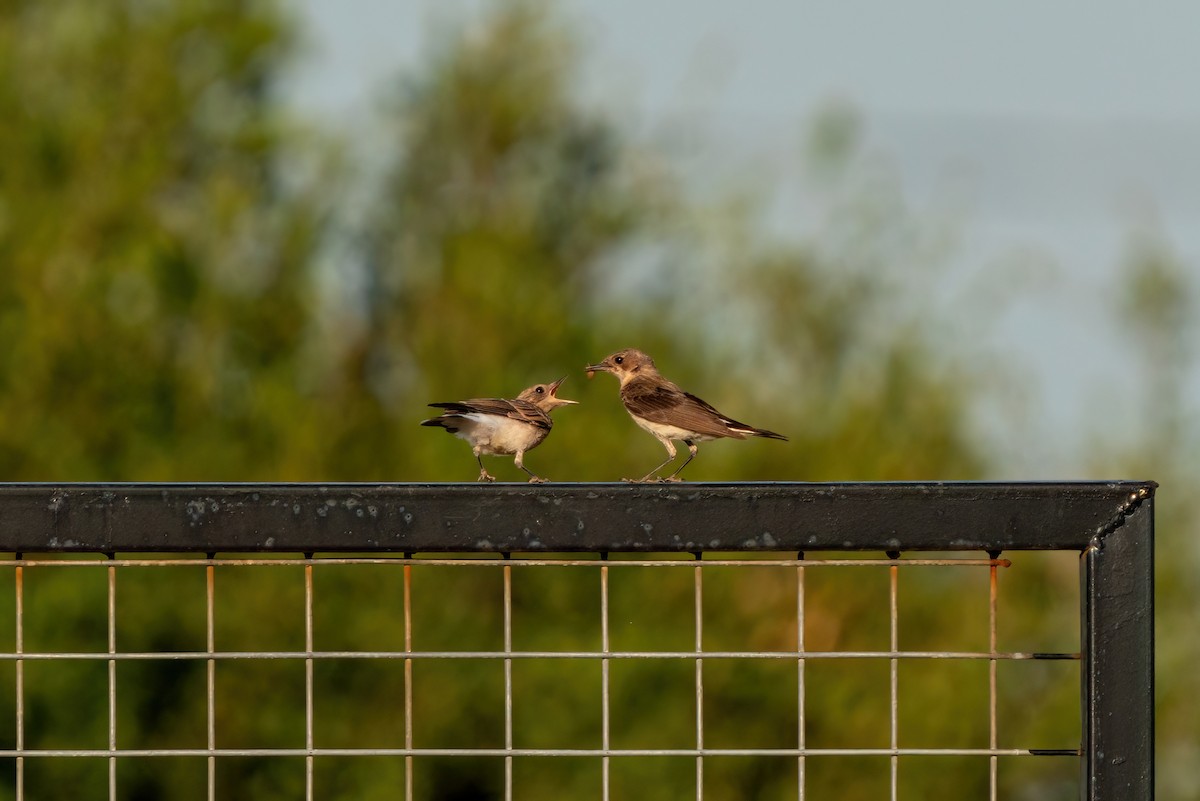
[519, 461]
[670, 446]
[691, 455]
[484, 475]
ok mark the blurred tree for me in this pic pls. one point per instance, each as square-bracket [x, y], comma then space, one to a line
[505, 204]
[500, 251]
[155, 295]
[155, 303]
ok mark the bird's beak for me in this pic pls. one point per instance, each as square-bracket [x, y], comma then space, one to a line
[554, 390]
[592, 369]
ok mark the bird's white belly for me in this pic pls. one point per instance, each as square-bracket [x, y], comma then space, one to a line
[668, 431]
[492, 435]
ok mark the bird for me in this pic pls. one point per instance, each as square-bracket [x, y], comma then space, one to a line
[498, 426]
[660, 407]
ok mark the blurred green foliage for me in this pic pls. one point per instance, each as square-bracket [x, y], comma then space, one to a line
[179, 302]
[156, 293]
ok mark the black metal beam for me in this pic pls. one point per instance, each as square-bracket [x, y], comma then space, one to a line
[215, 518]
[1118, 660]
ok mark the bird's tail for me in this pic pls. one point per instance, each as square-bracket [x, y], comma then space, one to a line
[450, 418]
[741, 430]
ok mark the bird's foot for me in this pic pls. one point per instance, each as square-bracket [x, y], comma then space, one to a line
[486, 476]
[539, 480]
[670, 480]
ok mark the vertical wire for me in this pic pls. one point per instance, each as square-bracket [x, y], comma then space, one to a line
[605, 741]
[308, 679]
[800, 688]
[211, 680]
[894, 615]
[508, 698]
[20, 649]
[408, 685]
[112, 680]
[699, 680]
[993, 766]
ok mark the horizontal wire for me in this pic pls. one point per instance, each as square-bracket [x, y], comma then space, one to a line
[532, 562]
[500, 655]
[534, 752]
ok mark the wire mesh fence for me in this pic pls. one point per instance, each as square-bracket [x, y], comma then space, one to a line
[358, 667]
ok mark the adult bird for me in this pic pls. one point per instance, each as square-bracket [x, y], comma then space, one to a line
[660, 407]
[498, 426]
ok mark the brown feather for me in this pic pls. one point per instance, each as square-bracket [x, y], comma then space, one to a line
[516, 409]
[661, 401]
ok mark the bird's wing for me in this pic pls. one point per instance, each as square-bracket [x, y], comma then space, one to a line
[518, 409]
[529, 412]
[667, 404]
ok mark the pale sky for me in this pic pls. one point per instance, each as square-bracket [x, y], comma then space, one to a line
[1064, 121]
[1099, 59]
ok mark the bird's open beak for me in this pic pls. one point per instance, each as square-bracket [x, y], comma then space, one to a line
[592, 369]
[554, 390]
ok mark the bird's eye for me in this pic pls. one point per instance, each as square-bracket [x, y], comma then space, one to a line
[619, 360]
[540, 390]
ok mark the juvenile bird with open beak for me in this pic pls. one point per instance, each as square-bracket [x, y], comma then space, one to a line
[660, 407]
[497, 426]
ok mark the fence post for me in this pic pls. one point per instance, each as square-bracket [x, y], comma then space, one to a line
[1117, 617]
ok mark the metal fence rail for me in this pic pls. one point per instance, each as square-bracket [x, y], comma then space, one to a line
[120, 529]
